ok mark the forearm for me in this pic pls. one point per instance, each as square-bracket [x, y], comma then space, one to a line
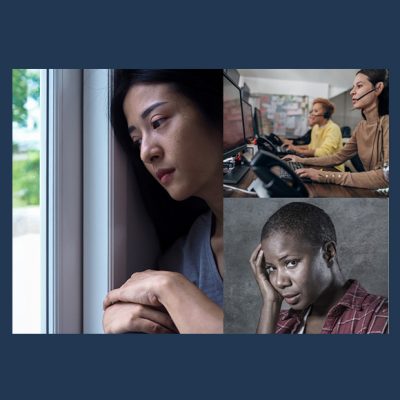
[190, 309]
[306, 152]
[367, 180]
[269, 317]
[299, 148]
[346, 153]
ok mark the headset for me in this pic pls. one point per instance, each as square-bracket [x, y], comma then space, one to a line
[369, 91]
[327, 114]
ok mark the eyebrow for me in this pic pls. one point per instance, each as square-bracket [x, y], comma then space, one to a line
[146, 112]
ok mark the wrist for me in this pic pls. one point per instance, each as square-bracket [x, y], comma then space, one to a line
[170, 282]
[271, 302]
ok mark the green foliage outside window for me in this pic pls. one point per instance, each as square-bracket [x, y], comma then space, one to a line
[26, 180]
[26, 84]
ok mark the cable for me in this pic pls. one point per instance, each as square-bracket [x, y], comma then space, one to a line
[239, 190]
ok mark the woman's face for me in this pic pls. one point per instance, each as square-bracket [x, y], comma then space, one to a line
[361, 86]
[296, 269]
[316, 115]
[177, 145]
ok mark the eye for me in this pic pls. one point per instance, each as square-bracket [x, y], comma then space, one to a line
[157, 123]
[269, 269]
[137, 141]
[291, 263]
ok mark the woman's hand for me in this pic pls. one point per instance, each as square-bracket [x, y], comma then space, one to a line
[292, 157]
[287, 141]
[272, 300]
[312, 173]
[130, 317]
[188, 307]
[257, 263]
[141, 288]
[289, 146]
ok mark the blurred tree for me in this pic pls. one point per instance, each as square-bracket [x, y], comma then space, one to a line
[25, 83]
[20, 95]
[26, 180]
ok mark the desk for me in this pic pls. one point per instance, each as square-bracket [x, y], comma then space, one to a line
[314, 189]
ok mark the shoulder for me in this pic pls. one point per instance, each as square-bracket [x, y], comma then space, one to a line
[201, 225]
[374, 303]
[333, 125]
[372, 313]
[385, 121]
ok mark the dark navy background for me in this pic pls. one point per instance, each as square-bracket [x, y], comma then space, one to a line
[246, 34]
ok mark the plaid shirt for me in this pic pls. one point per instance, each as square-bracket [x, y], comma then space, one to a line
[356, 312]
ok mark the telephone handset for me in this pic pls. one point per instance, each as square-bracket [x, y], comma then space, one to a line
[270, 145]
[275, 139]
[262, 165]
[265, 143]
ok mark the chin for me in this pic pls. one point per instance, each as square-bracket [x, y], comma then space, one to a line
[178, 195]
[299, 306]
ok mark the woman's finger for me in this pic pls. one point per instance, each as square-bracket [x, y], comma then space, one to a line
[253, 257]
[130, 317]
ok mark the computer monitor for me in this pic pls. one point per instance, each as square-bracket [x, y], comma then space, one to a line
[258, 128]
[248, 120]
[233, 135]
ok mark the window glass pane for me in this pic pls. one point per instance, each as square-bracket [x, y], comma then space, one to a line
[28, 290]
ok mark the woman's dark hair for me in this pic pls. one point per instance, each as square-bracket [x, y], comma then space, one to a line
[204, 88]
[375, 76]
[301, 220]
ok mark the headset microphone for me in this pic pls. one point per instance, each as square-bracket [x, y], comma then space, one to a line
[372, 90]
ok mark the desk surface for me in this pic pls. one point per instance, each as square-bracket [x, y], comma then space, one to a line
[314, 189]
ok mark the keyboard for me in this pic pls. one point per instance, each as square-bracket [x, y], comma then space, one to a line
[236, 174]
[293, 165]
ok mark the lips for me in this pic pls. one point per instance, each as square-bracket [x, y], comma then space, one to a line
[165, 175]
[291, 298]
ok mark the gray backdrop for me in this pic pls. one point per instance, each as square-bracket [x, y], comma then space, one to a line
[362, 232]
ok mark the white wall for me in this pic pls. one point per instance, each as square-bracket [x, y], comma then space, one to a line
[286, 87]
[290, 87]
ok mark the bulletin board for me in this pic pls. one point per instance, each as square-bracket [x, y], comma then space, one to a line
[282, 114]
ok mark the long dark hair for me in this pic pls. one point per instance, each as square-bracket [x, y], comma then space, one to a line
[204, 88]
[375, 76]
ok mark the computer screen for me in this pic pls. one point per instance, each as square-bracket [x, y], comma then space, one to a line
[248, 120]
[233, 138]
[258, 122]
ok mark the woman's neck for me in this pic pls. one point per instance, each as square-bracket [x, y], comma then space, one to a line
[330, 297]
[371, 113]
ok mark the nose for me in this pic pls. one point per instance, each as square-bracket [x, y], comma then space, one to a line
[282, 280]
[150, 149]
[352, 92]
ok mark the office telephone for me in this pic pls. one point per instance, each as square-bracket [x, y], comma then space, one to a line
[262, 165]
[273, 144]
[275, 139]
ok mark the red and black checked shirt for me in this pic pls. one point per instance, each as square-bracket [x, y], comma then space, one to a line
[356, 312]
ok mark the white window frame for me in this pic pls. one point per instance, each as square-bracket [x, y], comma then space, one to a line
[64, 201]
[96, 217]
[98, 232]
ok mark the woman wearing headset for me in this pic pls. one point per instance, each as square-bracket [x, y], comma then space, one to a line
[326, 137]
[370, 139]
